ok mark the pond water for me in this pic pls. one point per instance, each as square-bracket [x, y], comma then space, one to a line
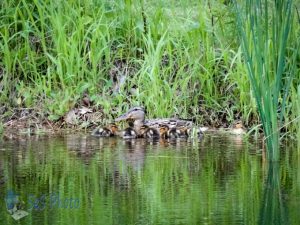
[79, 179]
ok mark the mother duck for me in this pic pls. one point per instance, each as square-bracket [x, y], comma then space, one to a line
[137, 115]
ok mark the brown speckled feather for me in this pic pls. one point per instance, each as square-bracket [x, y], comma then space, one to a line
[170, 122]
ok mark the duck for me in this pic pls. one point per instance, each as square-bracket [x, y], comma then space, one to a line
[149, 132]
[238, 129]
[108, 131]
[137, 115]
[182, 132]
[175, 132]
[129, 133]
[163, 131]
[172, 133]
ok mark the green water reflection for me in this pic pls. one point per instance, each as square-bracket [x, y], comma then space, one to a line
[78, 179]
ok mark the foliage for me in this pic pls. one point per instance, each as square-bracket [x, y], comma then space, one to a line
[271, 60]
[175, 58]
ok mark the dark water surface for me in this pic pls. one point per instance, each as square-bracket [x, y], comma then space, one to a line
[79, 179]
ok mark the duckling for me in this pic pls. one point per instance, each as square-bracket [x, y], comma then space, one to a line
[182, 132]
[114, 129]
[108, 131]
[163, 131]
[149, 132]
[101, 132]
[172, 133]
[178, 132]
[238, 129]
[129, 133]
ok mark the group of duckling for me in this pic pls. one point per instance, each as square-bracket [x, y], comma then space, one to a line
[145, 131]
[151, 129]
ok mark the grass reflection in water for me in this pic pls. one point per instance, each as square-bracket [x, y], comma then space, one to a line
[221, 180]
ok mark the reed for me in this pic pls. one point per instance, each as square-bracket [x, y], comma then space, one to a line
[264, 29]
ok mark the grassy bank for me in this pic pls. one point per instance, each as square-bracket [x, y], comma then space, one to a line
[175, 58]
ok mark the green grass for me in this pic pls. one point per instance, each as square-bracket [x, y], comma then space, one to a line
[270, 55]
[1, 128]
[175, 58]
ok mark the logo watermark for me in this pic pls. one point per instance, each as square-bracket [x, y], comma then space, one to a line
[13, 205]
[52, 200]
[38, 203]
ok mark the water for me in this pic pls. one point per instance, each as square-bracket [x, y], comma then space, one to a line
[79, 179]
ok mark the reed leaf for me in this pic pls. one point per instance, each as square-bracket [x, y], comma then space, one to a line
[264, 29]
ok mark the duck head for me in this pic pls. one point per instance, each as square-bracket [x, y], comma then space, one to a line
[113, 128]
[239, 125]
[135, 113]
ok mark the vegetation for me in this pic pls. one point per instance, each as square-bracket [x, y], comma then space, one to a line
[271, 61]
[175, 58]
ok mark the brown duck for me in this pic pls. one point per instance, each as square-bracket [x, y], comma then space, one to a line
[137, 115]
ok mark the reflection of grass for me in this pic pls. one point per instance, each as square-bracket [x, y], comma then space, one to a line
[178, 58]
[214, 182]
[265, 35]
[273, 207]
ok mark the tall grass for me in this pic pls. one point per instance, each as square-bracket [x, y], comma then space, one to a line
[264, 28]
[175, 58]
[54, 52]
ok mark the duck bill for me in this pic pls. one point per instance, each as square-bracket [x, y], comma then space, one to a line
[122, 117]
